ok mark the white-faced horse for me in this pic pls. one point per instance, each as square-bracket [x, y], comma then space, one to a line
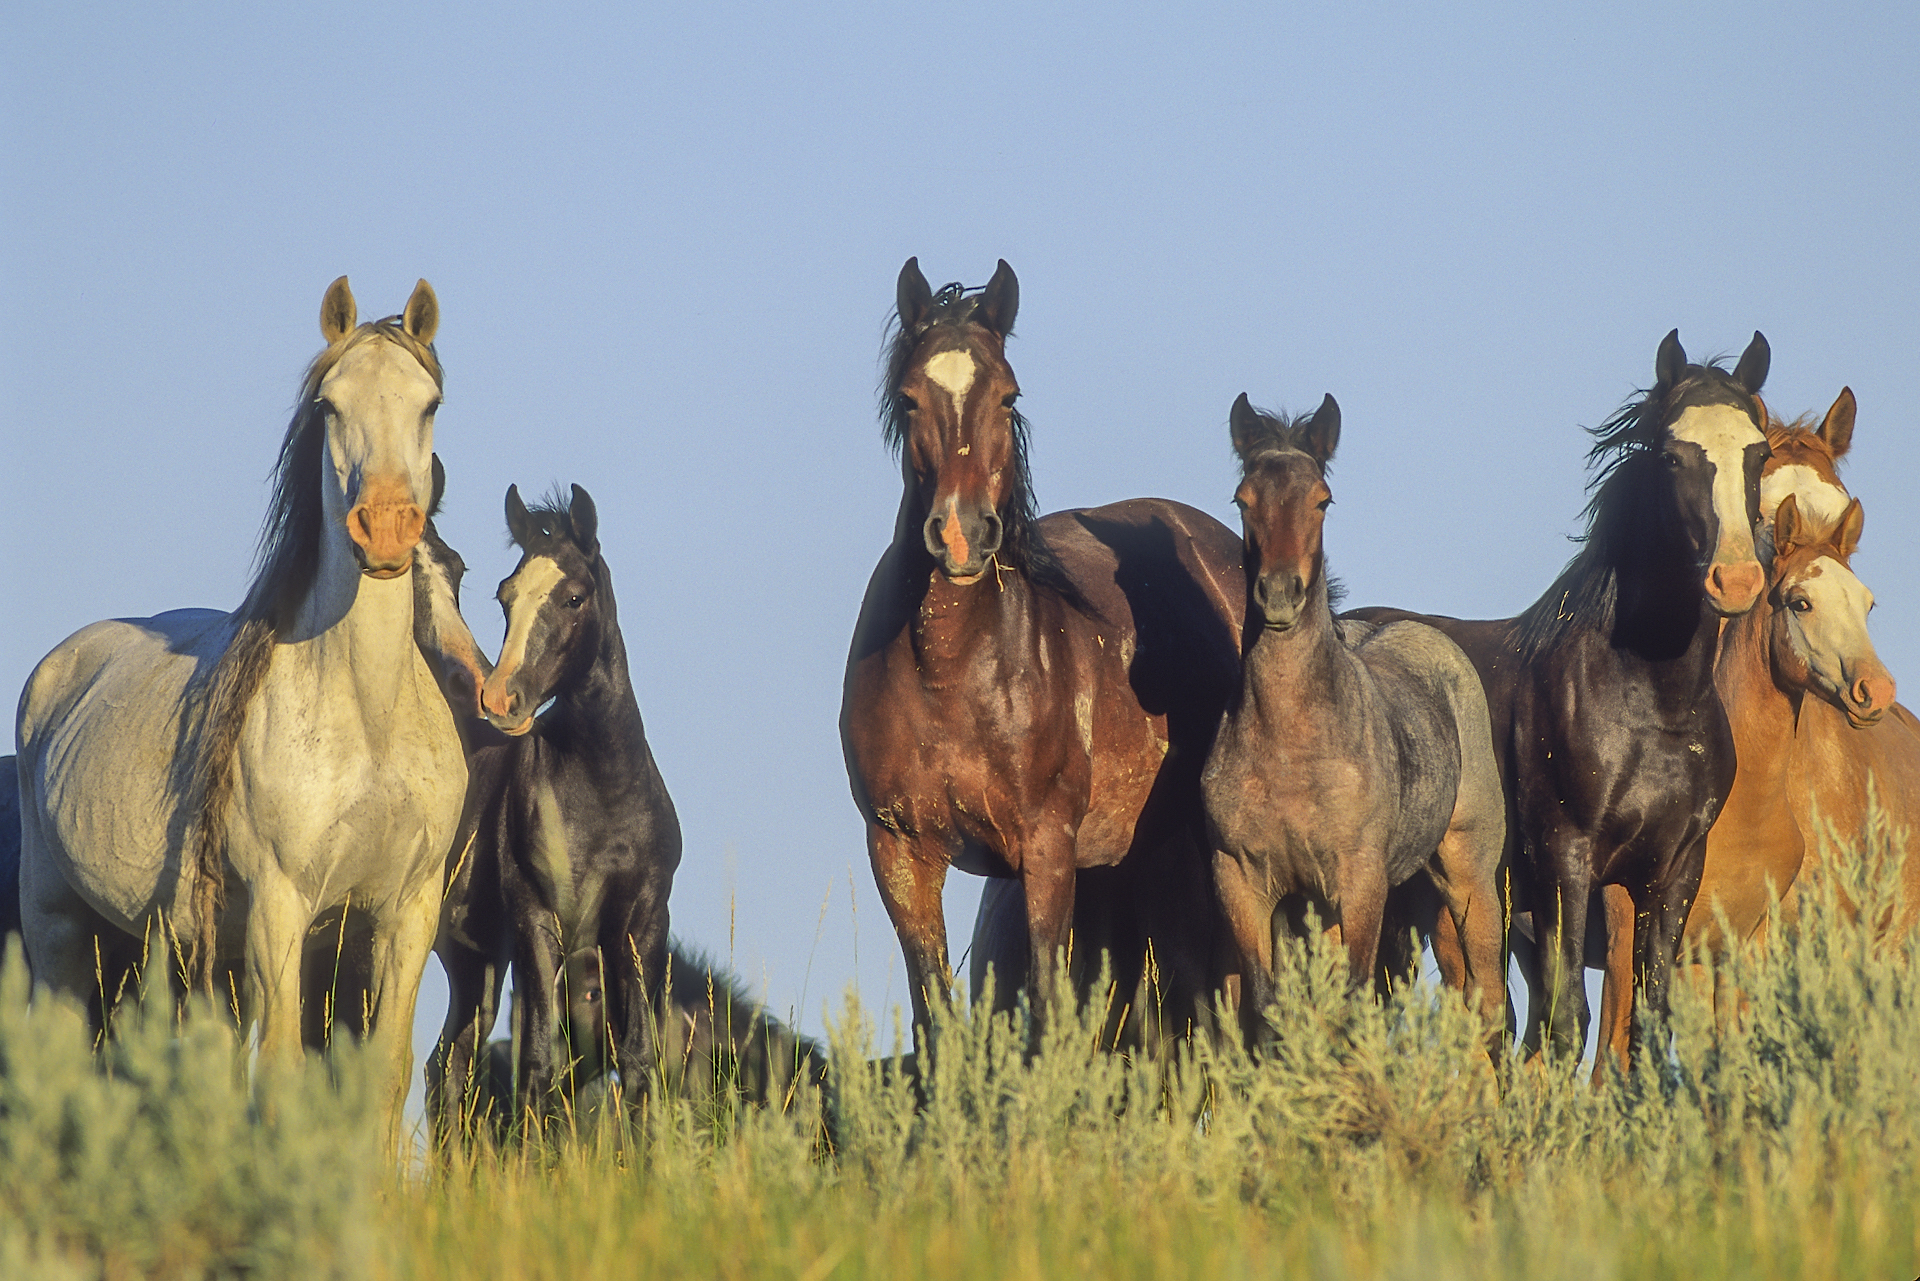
[216, 783]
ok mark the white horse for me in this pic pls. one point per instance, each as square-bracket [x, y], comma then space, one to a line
[217, 783]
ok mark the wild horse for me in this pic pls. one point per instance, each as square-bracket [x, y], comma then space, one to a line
[1615, 750]
[569, 841]
[231, 778]
[1357, 755]
[1026, 698]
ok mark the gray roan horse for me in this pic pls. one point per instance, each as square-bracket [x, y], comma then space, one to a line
[1357, 755]
[218, 783]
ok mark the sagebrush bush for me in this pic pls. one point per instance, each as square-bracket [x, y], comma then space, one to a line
[1777, 1137]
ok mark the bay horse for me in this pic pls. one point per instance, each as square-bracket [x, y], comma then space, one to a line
[233, 777]
[1032, 698]
[1357, 755]
[568, 842]
[1614, 748]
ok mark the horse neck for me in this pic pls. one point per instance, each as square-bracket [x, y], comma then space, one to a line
[598, 711]
[1760, 711]
[1291, 672]
[1663, 621]
[358, 624]
[955, 619]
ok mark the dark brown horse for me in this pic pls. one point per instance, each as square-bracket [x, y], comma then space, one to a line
[1026, 698]
[1615, 750]
[1357, 755]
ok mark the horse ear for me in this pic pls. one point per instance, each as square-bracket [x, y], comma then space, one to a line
[519, 524]
[422, 317]
[1670, 362]
[1751, 372]
[912, 296]
[337, 312]
[1241, 423]
[1787, 531]
[1837, 430]
[1847, 539]
[439, 486]
[585, 520]
[1000, 300]
[1322, 435]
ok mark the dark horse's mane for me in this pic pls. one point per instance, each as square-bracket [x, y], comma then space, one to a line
[1624, 457]
[285, 564]
[1022, 546]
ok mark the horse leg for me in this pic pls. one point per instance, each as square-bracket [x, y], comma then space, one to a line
[1362, 884]
[1659, 924]
[1468, 859]
[633, 978]
[537, 962]
[402, 939]
[1560, 925]
[1247, 902]
[1616, 994]
[473, 994]
[277, 920]
[1047, 876]
[910, 876]
[65, 938]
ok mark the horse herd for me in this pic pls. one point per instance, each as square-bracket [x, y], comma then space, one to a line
[1157, 737]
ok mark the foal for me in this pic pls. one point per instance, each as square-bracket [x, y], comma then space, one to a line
[1357, 755]
[569, 841]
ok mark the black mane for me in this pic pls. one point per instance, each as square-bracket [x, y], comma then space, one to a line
[1022, 547]
[1620, 521]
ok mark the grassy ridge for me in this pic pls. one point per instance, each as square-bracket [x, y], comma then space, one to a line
[1376, 1139]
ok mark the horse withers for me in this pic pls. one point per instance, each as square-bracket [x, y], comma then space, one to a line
[215, 783]
[1030, 699]
[1357, 755]
[568, 842]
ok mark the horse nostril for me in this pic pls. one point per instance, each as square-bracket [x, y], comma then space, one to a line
[990, 541]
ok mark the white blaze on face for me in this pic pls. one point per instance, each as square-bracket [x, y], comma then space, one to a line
[953, 373]
[1821, 502]
[1724, 434]
[1832, 636]
[523, 595]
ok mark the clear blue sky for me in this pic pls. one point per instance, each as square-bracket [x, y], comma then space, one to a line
[665, 239]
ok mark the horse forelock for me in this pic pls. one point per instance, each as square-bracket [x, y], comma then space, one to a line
[285, 565]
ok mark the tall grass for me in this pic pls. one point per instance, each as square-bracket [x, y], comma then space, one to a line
[1780, 1138]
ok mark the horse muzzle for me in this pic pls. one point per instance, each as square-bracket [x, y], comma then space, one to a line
[962, 541]
[384, 525]
[1868, 699]
[1280, 598]
[1734, 588]
[502, 706]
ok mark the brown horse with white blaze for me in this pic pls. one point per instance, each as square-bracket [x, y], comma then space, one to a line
[1026, 698]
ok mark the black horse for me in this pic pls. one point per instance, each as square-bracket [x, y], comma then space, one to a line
[1614, 749]
[569, 842]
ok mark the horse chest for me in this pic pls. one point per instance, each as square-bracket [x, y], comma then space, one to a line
[561, 862]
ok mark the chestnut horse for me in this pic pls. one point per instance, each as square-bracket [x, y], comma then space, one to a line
[1027, 698]
[1357, 755]
[1615, 750]
[298, 752]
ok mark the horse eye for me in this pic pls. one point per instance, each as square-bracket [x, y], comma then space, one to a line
[1673, 460]
[908, 403]
[1800, 605]
[1007, 403]
[1325, 504]
[574, 602]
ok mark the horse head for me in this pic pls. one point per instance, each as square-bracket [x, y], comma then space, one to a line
[1818, 640]
[949, 404]
[1713, 447]
[1283, 499]
[377, 387]
[554, 604]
